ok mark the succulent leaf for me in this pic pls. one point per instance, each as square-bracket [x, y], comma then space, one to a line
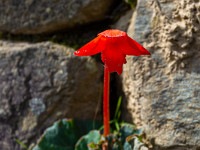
[89, 141]
[64, 134]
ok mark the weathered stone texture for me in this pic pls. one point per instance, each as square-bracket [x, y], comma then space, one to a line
[41, 83]
[35, 17]
[163, 90]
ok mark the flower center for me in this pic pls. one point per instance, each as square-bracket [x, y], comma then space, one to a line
[113, 33]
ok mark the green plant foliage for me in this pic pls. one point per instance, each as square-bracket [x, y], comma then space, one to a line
[127, 131]
[132, 3]
[117, 114]
[64, 134]
[89, 141]
[114, 142]
[81, 135]
[116, 119]
[124, 139]
[22, 144]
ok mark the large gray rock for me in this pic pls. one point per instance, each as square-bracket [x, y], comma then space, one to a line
[163, 90]
[34, 17]
[41, 83]
[124, 21]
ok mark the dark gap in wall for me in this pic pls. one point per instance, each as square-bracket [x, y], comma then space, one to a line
[115, 92]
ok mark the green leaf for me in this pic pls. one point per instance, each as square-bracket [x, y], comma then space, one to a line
[93, 145]
[132, 3]
[113, 142]
[64, 134]
[127, 124]
[118, 115]
[110, 122]
[117, 126]
[127, 130]
[137, 144]
[127, 146]
[118, 107]
[22, 144]
[91, 139]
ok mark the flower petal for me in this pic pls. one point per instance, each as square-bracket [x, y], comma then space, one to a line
[140, 47]
[113, 57]
[93, 47]
[131, 47]
[113, 33]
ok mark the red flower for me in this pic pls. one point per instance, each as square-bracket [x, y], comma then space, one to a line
[114, 45]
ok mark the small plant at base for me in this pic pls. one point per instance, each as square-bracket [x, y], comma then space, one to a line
[121, 137]
[83, 135]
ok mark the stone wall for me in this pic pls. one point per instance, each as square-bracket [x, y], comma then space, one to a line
[40, 84]
[163, 90]
[37, 17]
[43, 82]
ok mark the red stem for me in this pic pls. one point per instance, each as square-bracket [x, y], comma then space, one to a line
[106, 112]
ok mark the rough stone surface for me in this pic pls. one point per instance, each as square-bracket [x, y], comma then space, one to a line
[163, 90]
[124, 21]
[34, 17]
[41, 83]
